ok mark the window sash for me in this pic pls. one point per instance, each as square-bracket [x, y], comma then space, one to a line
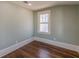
[44, 17]
[43, 27]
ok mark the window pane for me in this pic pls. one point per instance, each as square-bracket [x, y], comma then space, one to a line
[41, 18]
[44, 18]
[43, 27]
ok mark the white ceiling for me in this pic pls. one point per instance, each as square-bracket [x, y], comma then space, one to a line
[36, 5]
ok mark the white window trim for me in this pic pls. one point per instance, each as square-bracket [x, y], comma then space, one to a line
[38, 23]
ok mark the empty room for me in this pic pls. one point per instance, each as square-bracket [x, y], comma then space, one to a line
[39, 29]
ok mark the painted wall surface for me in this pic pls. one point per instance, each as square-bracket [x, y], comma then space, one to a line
[64, 24]
[16, 24]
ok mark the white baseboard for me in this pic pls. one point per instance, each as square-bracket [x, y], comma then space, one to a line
[20, 44]
[14, 47]
[60, 44]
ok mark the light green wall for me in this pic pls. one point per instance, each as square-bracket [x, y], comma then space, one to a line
[78, 24]
[64, 24]
[16, 24]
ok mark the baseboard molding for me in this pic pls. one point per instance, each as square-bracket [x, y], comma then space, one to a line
[14, 47]
[60, 44]
[20, 44]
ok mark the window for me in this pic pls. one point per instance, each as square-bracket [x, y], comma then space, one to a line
[43, 21]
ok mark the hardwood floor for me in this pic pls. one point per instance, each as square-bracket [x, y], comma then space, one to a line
[42, 50]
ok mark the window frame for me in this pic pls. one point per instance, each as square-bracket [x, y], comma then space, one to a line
[38, 23]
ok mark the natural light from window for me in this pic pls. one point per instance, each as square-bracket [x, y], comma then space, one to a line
[43, 22]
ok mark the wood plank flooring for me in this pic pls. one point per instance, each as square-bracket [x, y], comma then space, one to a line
[37, 49]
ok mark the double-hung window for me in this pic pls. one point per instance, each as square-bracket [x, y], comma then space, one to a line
[44, 21]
